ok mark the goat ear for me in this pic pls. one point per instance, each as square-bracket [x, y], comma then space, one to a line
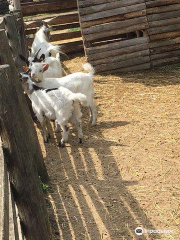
[24, 59]
[45, 67]
[42, 57]
[25, 68]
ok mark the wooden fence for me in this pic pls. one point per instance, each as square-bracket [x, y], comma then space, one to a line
[20, 152]
[128, 35]
[63, 18]
[9, 221]
[4, 7]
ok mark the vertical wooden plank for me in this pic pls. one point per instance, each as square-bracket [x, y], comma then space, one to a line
[4, 198]
[6, 57]
[25, 183]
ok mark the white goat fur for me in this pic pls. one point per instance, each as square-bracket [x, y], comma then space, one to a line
[76, 82]
[41, 42]
[55, 67]
[61, 105]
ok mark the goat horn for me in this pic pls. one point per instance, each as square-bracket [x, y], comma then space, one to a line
[36, 54]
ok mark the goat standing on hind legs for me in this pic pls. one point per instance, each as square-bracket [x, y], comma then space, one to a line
[41, 47]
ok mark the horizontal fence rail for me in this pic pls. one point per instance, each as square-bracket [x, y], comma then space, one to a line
[65, 27]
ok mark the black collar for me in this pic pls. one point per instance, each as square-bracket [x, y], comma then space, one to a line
[36, 88]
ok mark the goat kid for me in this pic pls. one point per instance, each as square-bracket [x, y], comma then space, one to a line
[58, 104]
[76, 82]
[55, 67]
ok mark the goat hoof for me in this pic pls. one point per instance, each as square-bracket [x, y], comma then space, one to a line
[49, 136]
[80, 140]
[61, 144]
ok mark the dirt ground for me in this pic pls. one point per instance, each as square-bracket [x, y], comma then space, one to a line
[126, 173]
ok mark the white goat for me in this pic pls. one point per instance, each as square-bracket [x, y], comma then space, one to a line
[58, 104]
[76, 82]
[55, 67]
[41, 45]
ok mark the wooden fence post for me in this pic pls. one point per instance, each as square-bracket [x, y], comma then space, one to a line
[17, 5]
[6, 58]
[24, 179]
[14, 26]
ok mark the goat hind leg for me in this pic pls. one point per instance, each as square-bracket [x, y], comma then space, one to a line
[65, 133]
[93, 110]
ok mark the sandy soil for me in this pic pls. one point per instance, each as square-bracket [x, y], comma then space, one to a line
[126, 173]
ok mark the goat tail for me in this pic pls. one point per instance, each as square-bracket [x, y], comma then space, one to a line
[80, 98]
[54, 50]
[89, 68]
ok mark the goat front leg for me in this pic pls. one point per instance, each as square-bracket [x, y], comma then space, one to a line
[76, 119]
[93, 113]
[65, 133]
[57, 127]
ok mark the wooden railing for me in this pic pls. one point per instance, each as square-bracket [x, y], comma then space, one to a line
[61, 16]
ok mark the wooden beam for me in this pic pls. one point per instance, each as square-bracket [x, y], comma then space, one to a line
[48, 7]
[113, 12]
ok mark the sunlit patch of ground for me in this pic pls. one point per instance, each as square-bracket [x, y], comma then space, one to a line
[126, 173]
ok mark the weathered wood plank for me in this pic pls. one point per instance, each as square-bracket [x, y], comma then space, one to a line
[24, 179]
[116, 45]
[6, 58]
[164, 29]
[114, 25]
[164, 36]
[117, 52]
[158, 3]
[59, 36]
[123, 57]
[164, 61]
[108, 6]
[165, 55]
[48, 7]
[165, 48]
[163, 16]
[60, 19]
[166, 22]
[163, 9]
[114, 18]
[4, 197]
[131, 69]
[115, 32]
[110, 13]
[123, 64]
[55, 28]
[161, 43]
[87, 3]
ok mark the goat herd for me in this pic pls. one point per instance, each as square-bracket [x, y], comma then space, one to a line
[53, 96]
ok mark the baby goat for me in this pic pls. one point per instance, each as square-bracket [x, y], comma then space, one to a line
[58, 104]
[76, 82]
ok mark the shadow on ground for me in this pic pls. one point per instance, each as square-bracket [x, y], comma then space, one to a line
[88, 197]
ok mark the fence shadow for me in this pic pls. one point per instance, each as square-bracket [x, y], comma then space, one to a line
[89, 198]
